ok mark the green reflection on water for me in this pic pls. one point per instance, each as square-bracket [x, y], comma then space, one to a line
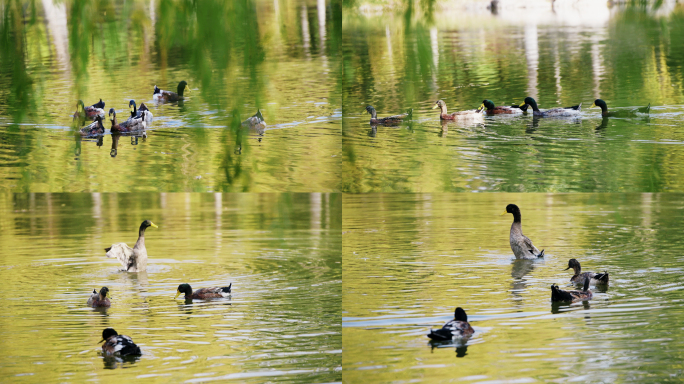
[282, 252]
[238, 56]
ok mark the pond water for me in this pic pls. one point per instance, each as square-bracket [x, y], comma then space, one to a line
[237, 56]
[627, 56]
[281, 252]
[410, 259]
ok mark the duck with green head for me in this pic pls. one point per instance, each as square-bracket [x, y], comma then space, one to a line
[573, 111]
[491, 109]
[598, 103]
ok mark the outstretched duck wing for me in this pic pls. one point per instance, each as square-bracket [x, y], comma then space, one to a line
[123, 253]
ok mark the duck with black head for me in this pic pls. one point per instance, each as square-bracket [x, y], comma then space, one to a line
[389, 120]
[161, 95]
[458, 328]
[100, 300]
[132, 259]
[521, 245]
[559, 295]
[579, 276]
[203, 293]
[491, 109]
[573, 111]
[598, 103]
[120, 345]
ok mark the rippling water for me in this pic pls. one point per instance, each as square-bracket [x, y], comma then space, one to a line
[628, 56]
[237, 57]
[410, 259]
[281, 253]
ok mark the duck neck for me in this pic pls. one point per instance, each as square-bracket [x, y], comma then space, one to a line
[443, 108]
[578, 269]
[374, 114]
[141, 237]
[534, 106]
[114, 120]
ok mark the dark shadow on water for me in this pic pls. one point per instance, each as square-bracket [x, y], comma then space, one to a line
[461, 346]
[558, 307]
[114, 362]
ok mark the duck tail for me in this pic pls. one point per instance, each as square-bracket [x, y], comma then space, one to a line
[602, 277]
[576, 107]
[227, 289]
[439, 335]
[156, 90]
[559, 295]
[541, 254]
[586, 284]
[645, 109]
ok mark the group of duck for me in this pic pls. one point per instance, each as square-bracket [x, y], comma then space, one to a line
[460, 330]
[489, 108]
[135, 260]
[140, 118]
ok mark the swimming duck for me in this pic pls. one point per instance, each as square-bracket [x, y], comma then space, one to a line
[100, 300]
[133, 124]
[389, 120]
[132, 259]
[558, 294]
[491, 109]
[454, 329]
[522, 246]
[598, 103]
[204, 293]
[161, 95]
[463, 115]
[554, 112]
[116, 344]
[578, 278]
[255, 122]
[90, 111]
[94, 129]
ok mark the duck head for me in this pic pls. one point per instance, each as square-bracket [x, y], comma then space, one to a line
[107, 333]
[183, 288]
[598, 103]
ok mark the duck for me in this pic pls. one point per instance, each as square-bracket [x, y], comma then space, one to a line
[558, 294]
[132, 259]
[93, 129]
[389, 120]
[521, 245]
[133, 124]
[255, 122]
[578, 278]
[90, 111]
[598, 103]
[100, 300]
[116, 344]
[463, 115]
[458, 328]
[204, 293]
[491, 109]
[554, 112]
[161, 95]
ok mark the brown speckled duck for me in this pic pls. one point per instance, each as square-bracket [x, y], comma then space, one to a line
[558, 294]
[100, 300]
[579, 277]
[204, 293]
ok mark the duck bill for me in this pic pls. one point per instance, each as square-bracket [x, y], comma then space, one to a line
[522, 104]
[435, 106]
[177, 294]
[100, 341]
[153, 224]
[481, 107]
[504, 213]
[593, 105]
[566, 268]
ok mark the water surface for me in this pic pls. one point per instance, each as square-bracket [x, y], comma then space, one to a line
[629, 57]
[281, 252]
[410, 259]
[237, 57]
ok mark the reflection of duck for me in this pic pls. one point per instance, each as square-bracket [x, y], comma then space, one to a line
[90, 111]
[161, 95]
[598, 103]
[476, 114]
[389, 120]
[454, 329]
[554, 112]
[99, 300]
[115, 144]
[491, 109]
[558, 294]
[116, 344]
[255, 122]
[94, 129]
[133, 259]
[579, 277]
[521, 245]
[203, 293]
